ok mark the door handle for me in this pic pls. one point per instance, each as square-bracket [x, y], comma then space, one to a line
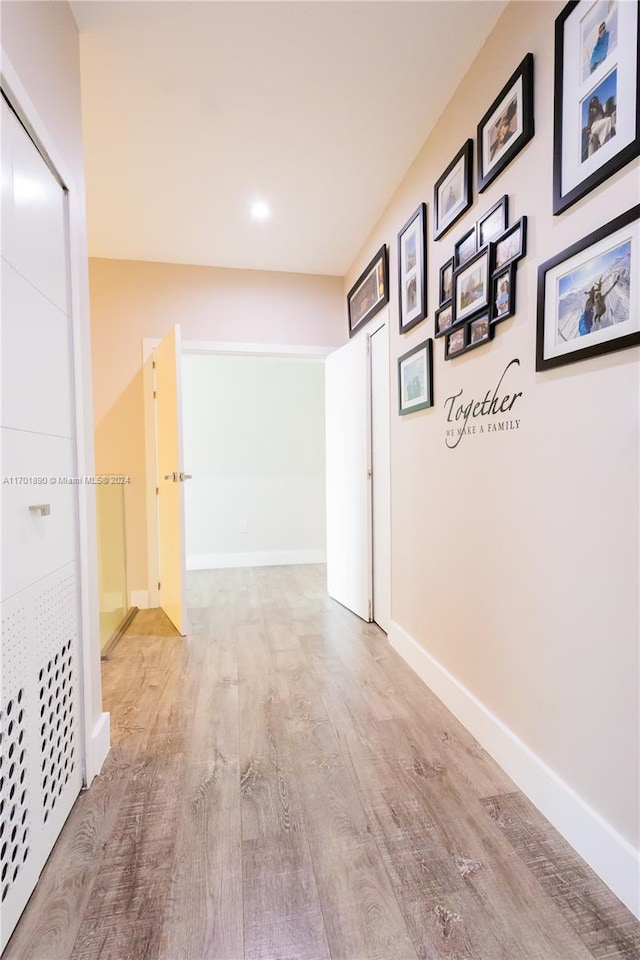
[177, 477]
[44, 509]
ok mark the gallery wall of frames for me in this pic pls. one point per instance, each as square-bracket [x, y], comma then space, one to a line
[512, 251]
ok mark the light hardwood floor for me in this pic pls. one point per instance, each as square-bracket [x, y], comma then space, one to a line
[281, 785]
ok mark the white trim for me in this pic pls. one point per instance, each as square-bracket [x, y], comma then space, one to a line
[612, 857]
[83, 417]
[101, 741]
[264, 558]
[139, 599]
[257, 349]
[151, 474]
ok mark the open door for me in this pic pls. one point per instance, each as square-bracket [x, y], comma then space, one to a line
[349, 556]
[170, 480]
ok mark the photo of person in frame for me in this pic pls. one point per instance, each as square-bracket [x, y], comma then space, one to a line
[599, 115]
[503, 129]
[599, 35]
[447, 279]
[502, 295]
[596, 295]
[479, 330]
[455, 341]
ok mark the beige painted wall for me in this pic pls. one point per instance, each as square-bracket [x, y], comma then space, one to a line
[131, 300]
[40, 40]
[515, 556]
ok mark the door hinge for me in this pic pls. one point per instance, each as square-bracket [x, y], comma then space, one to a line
[154, 394]
[159, 584]
[153, 364]
[157, 491]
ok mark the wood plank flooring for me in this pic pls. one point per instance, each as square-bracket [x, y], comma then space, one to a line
[281, 786]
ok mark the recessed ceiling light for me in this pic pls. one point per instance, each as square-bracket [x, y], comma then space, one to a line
[260, 211]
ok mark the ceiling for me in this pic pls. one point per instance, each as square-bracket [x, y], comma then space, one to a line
[193, 110]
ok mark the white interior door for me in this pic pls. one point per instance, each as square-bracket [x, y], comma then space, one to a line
[171, 477]
[380, 470]
[41, 756]
[349, 569]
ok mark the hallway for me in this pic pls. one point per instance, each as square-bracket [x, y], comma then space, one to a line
[282, 785]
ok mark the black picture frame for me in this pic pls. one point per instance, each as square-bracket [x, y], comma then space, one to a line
[457, 183]
[465, 248]
[497, 219]
[579, 89]
[471, 287]
[503, 301]
[415, 378]
[370, 292]
[443, 326]
[566, 335]
[445, 282]
[507, 126]
[484, 320]
[460, 334]
[513, 242]
[412, 270]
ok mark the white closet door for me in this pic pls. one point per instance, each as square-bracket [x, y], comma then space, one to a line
[381, 479]
[349, 572]
[40, 740]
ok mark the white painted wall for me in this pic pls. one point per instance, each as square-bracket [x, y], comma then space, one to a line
[254, 443]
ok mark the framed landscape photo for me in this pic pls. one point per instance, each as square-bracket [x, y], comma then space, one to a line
[415, 378]
[493, 223]
[511, 246]
[465, 248]
[503, 294]
[453, 192]
[455, 343]
[445, 282]
[507, 125]
[412, 269]
[589, 295]
[370, 292]
[596, 109]
[444, 319]
[471, 287]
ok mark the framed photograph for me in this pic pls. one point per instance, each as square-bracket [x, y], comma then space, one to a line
[370, 292]
[412, 269]
[444, 319]
[511, 246]
[507, 125]
[415, 378]
[455, 343]
[503, 294]
[493, 223]
[445, 282]
[465, 248]
[471, 287]
[589, 295]
[453, 192]
[596, 110]
[480, 331]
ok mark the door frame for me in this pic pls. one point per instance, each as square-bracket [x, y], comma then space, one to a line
[192, 347]
[95, 738]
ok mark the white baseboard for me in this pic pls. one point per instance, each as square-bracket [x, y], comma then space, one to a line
[139, 599]
[612, 857]
[101, 743]
[267, 558]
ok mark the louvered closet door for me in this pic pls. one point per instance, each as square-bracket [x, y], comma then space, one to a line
[40, 746]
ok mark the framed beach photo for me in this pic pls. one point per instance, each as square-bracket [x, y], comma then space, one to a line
[453, 192]
[465, 248]
[415, 378]
[444, 319]
[370, 292]
[503, 294]
[493, 223]
[511, 246]
[471, 287]
[445, 282]
[596, 109]
[589, 295]
[412, 269]
[456, 342]
[507, 125]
